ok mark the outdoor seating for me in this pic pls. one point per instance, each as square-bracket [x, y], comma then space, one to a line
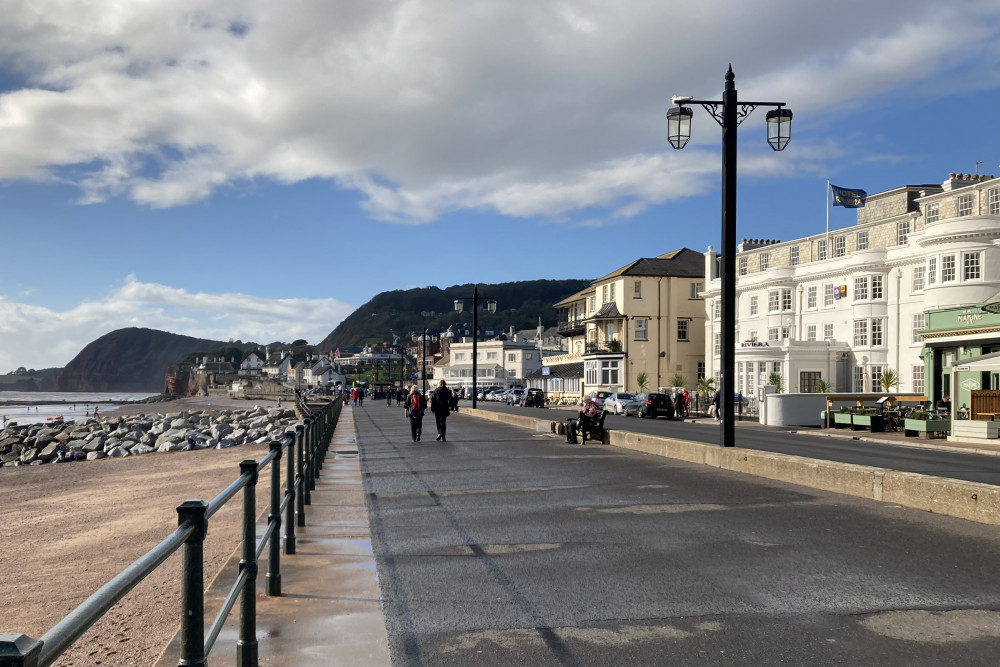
[593, 429]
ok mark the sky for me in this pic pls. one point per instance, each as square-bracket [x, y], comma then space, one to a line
[256, 170]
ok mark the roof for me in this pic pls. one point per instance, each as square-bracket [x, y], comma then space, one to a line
[608, 311]
[682, 263]
[571, 370]
[986, 362]
[579, 296]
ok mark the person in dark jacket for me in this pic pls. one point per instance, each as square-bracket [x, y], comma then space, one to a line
[415, 412]
[441, 404]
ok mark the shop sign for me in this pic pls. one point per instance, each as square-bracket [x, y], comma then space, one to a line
[970, 384]
[840, 292]
[755, 343]
[970, 317]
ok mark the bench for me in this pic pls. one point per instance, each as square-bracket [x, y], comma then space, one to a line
[594, 429]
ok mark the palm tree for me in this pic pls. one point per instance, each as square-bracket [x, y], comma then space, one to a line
[679, 380]
[821, 386]
[706, 386]
[642, 381]
[888, 380]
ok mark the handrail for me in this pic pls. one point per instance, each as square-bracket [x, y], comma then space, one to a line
[19, 650]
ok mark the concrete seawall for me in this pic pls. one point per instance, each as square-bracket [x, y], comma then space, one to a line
[965, 500]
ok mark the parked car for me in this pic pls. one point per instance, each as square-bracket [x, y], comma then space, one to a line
[514, 396]
[655, 405]
[598, 397]
[621, 403]
[533, 398]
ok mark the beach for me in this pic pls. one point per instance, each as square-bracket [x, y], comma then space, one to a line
[69, 528]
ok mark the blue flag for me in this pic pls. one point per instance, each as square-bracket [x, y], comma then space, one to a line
[848, 198]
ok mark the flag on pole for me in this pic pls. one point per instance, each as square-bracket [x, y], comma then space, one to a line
[847, 197]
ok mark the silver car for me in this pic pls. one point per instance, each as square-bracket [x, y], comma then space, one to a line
[622, 403]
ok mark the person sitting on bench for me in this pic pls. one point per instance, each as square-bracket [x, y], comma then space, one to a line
[588, 415]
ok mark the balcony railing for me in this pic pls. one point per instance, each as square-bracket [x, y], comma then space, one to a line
[572, 327]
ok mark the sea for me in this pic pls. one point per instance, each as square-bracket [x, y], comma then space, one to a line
[30, 407]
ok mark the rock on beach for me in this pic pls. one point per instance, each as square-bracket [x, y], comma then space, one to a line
[118, 436]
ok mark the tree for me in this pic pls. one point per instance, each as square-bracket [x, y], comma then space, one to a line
[775, 379]
[706, 386]
[642, 381]
[821, 386]
[888, 380]
[679, 380]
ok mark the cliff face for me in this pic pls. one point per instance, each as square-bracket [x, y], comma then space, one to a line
[129, 360]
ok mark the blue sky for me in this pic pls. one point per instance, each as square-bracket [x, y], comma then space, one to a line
[253, 170]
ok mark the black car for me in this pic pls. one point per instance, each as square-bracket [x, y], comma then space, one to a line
[655, 405]
[533, 398]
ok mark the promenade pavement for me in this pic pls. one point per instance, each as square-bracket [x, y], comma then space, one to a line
[329, 614]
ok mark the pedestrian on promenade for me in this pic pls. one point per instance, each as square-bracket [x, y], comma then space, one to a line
[354, 396]
[388, 397]
[717, 404]
[361, 396]
[587, 415]
[441, 405]
[685, 402]
[415, 412]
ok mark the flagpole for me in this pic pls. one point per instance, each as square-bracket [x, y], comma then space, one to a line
[828, 217]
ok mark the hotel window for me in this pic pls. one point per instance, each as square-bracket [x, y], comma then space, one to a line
[933, 212]
[948, 269]
[512, 356]
[491, 355]
[590, 372]
[609, 372]
[717, 309]
[828, 331]
[931, 270]
[786, 299]
[918, 379]
[811, 332]
[821, 249]
[793, 256]
[876, 333]
[604, 294]
[861, 289]
[993, 201]
[863, 240]
[701, 370]
[786, 333]
[772, 333]
[811, 297]
[918, 326]
[717, 344]
[765, 260]
[876, 375]
[963, 205]
[877, 291]
[827, 295]
[839, 246]
[970, 266]
[460, 356]
[860, 333]
[859, 379]
[613, 285]
[641, 328]
[753, 306]
[902, 232]
[919, 273]
[743, 266]
[695, 288]
[682, 329]
[773, 301]
[753, 336]
[637, 290]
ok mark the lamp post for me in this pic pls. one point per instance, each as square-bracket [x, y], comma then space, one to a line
[729, 117]
[423, 362]
[491, 305]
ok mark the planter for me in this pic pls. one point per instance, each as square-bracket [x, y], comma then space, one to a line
[926, 428]
[975, 428]
[842, 419]
[873, 423]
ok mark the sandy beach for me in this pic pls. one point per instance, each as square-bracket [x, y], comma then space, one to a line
[66, 529]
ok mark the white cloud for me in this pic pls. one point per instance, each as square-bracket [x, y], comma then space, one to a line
[428, 107]
[37, 337]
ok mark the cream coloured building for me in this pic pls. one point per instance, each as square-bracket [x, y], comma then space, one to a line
[845, 306]
[646, 317]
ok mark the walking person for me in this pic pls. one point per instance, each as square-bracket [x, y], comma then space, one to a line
[441, 405]
[415, 412]
[388, 397]
[717, 403]
[361, 396]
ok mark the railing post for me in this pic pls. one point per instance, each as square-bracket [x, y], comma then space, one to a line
[302, 497]
[312, 459]
[246, 645]
[290, 500]
[273, 576]
[17, 650]
[193, 585]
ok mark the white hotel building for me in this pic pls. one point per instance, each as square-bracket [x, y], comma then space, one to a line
[844, 306]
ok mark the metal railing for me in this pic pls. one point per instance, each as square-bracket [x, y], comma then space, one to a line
[307, 446]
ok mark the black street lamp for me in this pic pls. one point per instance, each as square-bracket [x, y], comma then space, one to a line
[491, 305]
[731, 114]
[423, 362]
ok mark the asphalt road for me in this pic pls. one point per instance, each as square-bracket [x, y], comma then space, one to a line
[503, 546]
[954, 465]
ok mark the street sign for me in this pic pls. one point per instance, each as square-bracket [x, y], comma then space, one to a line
[993, 308]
